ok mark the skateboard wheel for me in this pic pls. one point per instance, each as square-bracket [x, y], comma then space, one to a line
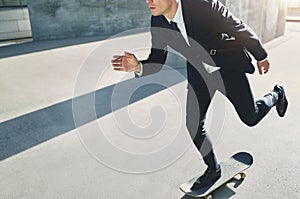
[243, 175]
[208, 197]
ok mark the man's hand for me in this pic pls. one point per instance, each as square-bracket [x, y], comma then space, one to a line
[127, 63]
[263, 66]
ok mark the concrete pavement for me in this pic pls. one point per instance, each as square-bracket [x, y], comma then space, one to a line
[73, 128]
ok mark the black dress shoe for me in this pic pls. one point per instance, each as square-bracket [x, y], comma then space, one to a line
[209, 177]
[282, 103]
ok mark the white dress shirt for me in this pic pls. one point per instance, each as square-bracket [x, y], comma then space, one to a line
[178, 18]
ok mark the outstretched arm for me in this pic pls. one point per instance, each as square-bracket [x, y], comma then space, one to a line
[228, 23]
[157, 57]
[127, 63]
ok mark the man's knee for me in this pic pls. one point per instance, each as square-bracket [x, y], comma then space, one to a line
[250, 121]
[252, 118]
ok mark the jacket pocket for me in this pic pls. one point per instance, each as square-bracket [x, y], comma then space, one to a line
[232, 58]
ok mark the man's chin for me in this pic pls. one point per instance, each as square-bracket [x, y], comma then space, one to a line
[155, 14]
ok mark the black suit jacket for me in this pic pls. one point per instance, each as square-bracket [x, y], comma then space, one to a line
[216, 37]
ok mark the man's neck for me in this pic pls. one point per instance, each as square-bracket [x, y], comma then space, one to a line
[173, 9]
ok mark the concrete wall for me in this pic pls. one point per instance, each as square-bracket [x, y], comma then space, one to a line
[14, 23]
[13, 3]
[52, 19]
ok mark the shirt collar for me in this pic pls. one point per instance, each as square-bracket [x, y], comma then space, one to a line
[178, 18]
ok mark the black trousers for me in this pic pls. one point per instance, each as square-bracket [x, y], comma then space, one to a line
[235, 86]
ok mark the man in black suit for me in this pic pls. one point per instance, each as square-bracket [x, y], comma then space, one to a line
[216, 45]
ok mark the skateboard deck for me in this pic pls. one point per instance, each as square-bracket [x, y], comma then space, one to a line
[235, 165]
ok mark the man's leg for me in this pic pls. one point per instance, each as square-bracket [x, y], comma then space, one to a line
[238, 91]
[198, 101]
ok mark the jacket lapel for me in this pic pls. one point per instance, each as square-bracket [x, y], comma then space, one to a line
[186, 12]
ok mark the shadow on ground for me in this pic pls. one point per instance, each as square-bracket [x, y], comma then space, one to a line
[24, 132]
[224, 192]
[37, 46]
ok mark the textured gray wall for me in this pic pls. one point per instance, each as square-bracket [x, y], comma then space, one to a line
[13, 3]
[78, 18]
[52, 19]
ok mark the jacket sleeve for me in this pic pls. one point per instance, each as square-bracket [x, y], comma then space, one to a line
[226, 22]
[158, 54]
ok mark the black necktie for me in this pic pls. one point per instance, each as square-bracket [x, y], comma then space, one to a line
[178, 34]
[174, 26]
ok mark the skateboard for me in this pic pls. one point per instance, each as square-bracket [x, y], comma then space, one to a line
[234, 166]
